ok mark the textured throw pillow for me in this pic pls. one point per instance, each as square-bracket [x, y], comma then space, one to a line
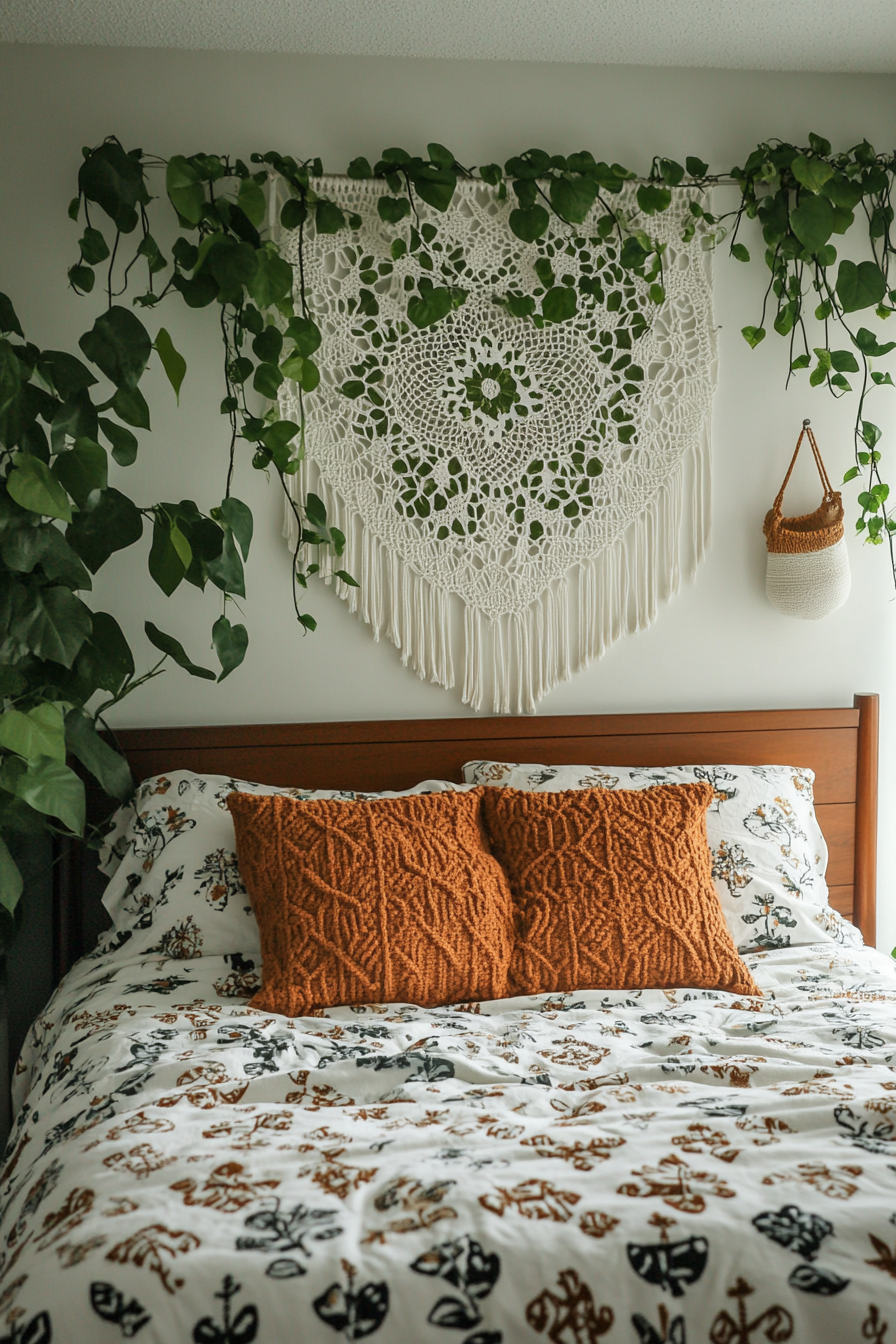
[768, 853]
[612, 891]
[393, 900]
[175, 887]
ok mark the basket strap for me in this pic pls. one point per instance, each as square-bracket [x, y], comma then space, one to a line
[822, 471]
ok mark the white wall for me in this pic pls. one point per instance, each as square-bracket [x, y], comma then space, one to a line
[718, 644]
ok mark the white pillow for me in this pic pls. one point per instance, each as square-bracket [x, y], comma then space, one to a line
[175, 887]
[768, 853]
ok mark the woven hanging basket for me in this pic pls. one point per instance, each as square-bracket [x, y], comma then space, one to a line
[807, 574]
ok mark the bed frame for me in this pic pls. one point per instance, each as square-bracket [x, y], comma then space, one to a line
[840, 745]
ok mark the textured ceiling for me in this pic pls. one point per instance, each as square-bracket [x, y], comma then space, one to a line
[823, 35]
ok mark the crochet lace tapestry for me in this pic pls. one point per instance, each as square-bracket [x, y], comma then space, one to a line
[551, 483]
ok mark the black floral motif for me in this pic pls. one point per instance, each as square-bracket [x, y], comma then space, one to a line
[774, 916]
[265, 1049]
[800, 1232]
[241, 1329]
[288, 1231]
[39, 1330]
[874, 1138]
[466, 1266]
[430, 1068]
[669, 1331]
[219, 878]
[111, 1305]
[353, 1313]
[672, 1265]
[811, 1279]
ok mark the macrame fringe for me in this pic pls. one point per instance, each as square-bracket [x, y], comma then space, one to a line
[512, 662]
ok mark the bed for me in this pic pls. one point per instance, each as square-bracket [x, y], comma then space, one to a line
[662, 1166]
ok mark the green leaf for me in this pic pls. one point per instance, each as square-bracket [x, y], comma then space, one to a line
[32, 485]
[105, 660]
[696, 167]
[811, 173]
[359, 169]
[124, 443]
[753, 335]
[108, 524]
[431, 307]
[529, 225]
[844, 361]
[8, 320]
[105, 764]
[520, 305]
[129, 404]
[54, 625]
[173, 362]
[185, 189]
[316, 512]
[250, 200]
[40, 732]
[119, 345]
[231, 642]
[653, 200]
[64, 373]
[870, 433]
[801, 362]
[813, 222]
[435, 186]
[293, 214]
[353, 388]
[268, 344]
[267, 380]
[346, 578]
[226, 569]
[672, 172]
[11, 883]
[739, 252]
[305, 333]
[238, 517]
[82, 469]
[573, 197]
[167, 566]
[328, 218]
[559, 304]
[860, 286]
[114, 180]
[850, 475]
[94, 247]
[868, 343]
[174, 649]
[392, 209]
[439, 155]
[81, 278]
[272, 280]
[48, 786]
[25, 547]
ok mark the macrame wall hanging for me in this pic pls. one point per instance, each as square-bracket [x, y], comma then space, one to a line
[549, 484]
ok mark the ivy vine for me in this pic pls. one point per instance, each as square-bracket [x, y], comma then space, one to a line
[63, 664]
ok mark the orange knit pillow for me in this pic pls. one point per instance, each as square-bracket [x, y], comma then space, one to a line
[393, 899]
[613, 890]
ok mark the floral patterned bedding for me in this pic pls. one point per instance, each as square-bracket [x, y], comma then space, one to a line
[655, 1166]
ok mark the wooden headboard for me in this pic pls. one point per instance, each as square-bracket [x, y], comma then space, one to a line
[840, 745]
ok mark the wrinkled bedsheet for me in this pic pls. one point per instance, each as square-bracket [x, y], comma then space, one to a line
[644, 1166]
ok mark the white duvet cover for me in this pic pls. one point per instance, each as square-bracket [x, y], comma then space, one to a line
[649, 1166]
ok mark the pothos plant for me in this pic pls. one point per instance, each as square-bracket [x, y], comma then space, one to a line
[63, 665]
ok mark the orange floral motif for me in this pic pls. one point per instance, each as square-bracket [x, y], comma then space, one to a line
[702, 1139]
[578, 1054]
[149, 1246]
[583, 1156]
[320, 1094]
[873, 1328]
[775, 1323]
[333, 1175]
[227, 1189]
[677, 1184]
[738, 1069]
[74, 1209]
[769, 1128]
[569, 1315]
[140, 1161]
[422, 1205]
[828, 1181]
[886, 1258]
[76, 1252]
[597, 1224]
[533, 1199]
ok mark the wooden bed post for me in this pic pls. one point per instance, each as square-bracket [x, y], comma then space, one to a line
[865, 895]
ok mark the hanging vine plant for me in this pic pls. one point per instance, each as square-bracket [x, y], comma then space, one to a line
[63, 665]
